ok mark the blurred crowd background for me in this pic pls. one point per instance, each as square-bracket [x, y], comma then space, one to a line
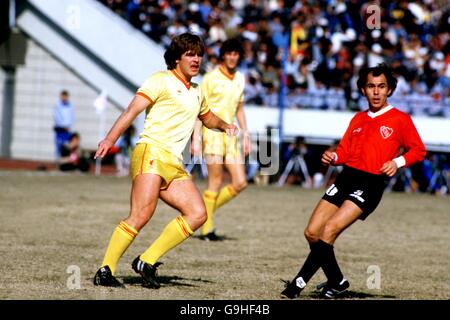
[316, 49]
[327, 43]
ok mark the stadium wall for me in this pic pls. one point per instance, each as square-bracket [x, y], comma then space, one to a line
[38, 85]
[323, 127]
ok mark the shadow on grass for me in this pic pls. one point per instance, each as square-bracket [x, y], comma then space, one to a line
[166, 281]
[218, 238]
[350, 294]
[347, 294]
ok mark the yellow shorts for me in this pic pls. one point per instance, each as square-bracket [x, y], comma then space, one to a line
[147, 158]
[219, 143]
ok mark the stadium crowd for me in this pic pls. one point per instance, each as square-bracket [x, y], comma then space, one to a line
[328, 42]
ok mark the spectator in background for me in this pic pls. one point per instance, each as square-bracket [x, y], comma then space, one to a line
[71, 157]
[299, 155]
[254, 91]
[64, 119]
[331, 35]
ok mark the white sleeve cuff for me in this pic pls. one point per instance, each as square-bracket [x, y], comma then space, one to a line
[400, 161]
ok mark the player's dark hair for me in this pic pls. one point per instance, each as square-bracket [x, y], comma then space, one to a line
[381, 68]
[186, 42]
[231, 45]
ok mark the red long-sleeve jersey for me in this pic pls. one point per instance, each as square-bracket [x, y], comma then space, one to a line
[371, 139]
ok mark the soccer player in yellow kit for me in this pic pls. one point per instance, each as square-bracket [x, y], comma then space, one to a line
[172, 104]
[223, 89]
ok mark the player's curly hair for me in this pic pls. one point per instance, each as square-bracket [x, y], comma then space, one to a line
[180, 44]
[231, 45]
[381, 68]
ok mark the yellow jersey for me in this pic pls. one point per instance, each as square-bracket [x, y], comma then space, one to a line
[223, 92]
[174, 107]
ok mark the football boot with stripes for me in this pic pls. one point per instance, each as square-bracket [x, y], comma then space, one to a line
[332, 292]
[211, 236]
[104, 277]
[148, 273]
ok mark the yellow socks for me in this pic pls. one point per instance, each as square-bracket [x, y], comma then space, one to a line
[209, 197]
[121, 239]
[226, 194]
[173, 234]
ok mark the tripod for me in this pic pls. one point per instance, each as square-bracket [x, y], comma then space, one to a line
[295, 162]
[403, 174]
[439, 178]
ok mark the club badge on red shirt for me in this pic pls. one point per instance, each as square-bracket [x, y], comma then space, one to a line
[386, 132]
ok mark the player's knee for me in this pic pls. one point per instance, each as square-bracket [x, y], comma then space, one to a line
[138, 221]
[240, 185]
[215, 182]
[330, 230]
[311, 236]
[199, 215]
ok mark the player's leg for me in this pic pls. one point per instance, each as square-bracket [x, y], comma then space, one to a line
[184, 196]
[321, 214]
[345, 216]
[144, 198]
[215, 176]
[235, 166]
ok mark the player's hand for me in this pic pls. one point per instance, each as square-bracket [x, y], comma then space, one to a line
[231, 130]
[103, 148]
[328, 157]
[247, 144]
[389, 168]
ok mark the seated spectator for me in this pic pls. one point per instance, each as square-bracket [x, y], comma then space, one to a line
[254, 91]
[71, 157]
[318, 94]
[335, 98]
[270, 97]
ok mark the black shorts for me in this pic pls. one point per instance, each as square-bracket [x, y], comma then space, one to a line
[362, 188]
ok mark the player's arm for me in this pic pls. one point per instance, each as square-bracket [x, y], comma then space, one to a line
[136, 106]
[240, 116]
[412, 142]
[339, 156]
[211, 121]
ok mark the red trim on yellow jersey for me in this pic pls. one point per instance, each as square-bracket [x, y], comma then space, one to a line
[225, 73]
[203, 116]
[144, 95]
[187, 84]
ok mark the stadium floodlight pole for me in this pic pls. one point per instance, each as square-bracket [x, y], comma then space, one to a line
[282, 91]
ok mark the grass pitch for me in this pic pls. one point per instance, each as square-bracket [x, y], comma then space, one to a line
[55, 229]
